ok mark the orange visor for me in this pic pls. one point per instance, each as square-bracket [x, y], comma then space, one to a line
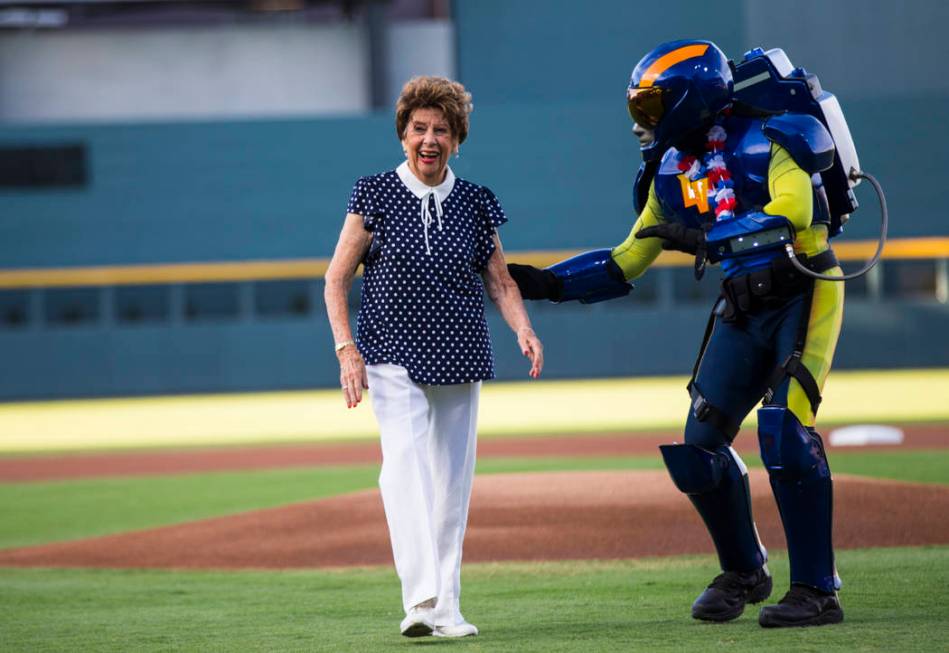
[645, 105]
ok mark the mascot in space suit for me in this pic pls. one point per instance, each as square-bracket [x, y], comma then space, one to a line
[751, 167]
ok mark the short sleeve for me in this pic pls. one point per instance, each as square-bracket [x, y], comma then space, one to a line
[364, 201]
[491, 216]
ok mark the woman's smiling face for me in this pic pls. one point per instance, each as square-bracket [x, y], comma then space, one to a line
[428, 143]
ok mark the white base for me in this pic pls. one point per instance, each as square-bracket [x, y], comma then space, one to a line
[865, 434]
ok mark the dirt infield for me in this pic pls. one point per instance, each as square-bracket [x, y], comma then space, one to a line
[562, 515]
[52, 467]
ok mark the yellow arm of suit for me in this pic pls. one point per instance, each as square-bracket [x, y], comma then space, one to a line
[791, 196]
[790, 189]
[634, 255]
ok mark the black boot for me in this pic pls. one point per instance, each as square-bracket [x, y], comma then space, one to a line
[802, 606]
[726, 597]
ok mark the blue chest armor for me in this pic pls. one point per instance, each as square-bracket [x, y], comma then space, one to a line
[747, 154]
[751, 239]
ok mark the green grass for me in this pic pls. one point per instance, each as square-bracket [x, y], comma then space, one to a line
[921, 466]
[512, 465]
[33, 513]
[894, 600]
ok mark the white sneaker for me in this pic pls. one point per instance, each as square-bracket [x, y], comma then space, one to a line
[417, 623]
[464, 629]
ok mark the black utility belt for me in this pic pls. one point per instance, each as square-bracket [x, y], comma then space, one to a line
[772, 285]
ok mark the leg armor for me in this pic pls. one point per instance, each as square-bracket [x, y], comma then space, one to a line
[800, 479]
[716, 482]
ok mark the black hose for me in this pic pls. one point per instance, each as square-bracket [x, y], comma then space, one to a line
[884, 220]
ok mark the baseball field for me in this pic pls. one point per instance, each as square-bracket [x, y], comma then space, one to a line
[252, 523]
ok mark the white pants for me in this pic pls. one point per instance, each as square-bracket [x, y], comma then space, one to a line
[428, 456]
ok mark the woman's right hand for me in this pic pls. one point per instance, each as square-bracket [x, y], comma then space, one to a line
[531, 347]
[352, 375]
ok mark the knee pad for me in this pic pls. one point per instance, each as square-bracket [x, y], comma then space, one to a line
[716, 482]
[695, 470]
[790, 451]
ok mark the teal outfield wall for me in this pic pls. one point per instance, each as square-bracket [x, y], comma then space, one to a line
[276, 190]
[549, 135]
[645, 334]
[261, 190]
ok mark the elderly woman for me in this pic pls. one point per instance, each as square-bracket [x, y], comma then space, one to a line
[429, 247]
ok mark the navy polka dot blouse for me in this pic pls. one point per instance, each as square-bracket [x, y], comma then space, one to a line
[422, 295]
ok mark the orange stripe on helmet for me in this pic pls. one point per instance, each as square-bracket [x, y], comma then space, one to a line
[668, 60]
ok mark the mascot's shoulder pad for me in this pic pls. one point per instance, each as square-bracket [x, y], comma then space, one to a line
[804, 137]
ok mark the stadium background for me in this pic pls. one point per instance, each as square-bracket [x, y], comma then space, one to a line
[198, 158]
[173, 177]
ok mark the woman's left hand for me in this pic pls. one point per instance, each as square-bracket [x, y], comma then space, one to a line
[532, 348]
[352, 375]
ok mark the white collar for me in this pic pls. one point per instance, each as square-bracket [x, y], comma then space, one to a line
[421, 189]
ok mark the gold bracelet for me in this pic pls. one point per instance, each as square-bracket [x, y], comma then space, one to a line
[345, 343]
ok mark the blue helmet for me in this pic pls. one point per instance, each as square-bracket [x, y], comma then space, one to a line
[676, 89]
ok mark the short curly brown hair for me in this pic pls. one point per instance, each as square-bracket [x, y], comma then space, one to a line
[434, 93]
